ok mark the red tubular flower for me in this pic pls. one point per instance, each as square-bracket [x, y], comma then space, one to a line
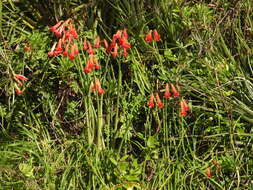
[183, 112]
[59, 31]
[66, 51]
[157, 36]
[52, 53]
[174, 90]
[72, 31]
[124, 43]
[97, 43]
[89, 65]
[148, 37]
[151, 101]
[76, 52]
[97, 87]
[58, 48]
[208, 173]
[21, 77]
[97, 65]
[85, 45]
[90, 49]
[117, 35]
[167, 92]
[18, 91]
[72, 52]
[125, 52]
[115, 51]
[125, 33]
[54, 28]
[158, 101]
[186, 107]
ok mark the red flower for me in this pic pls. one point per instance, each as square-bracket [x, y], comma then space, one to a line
[158, 101]
[90, 49]
[59, 31]
[174, 90]
[72, 31]
[58, 48]
[125, 52]
[97, 43]
[186, 107]
[66, 51]
[21, 77]
[54, 28]
[148, 37]
[157, 36]
[151, 101]
[72, 52]
[97, 87]
[52, 53]
[183, 108]
[18, 91]
[89, 65]
[117, 35]
[124, 43]
[208, 173]
[85, 45]
[115, 51]
[125, 33]
[167, 91]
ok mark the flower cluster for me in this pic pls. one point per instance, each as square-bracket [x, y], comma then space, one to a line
[97, 87]
[184, 108]
[20, 79]
[119, 40]
[65, 45]
[149, 37]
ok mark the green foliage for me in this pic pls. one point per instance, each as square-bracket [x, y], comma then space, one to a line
[60, 134]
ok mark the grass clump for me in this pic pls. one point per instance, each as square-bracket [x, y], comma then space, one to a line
[126, 95]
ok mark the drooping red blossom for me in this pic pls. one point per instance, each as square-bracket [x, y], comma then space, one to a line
[89, 65]
[90, 49]
[97, 42]
[183, 111]
[148, 37]
[18, 91]
[54, 28]
[58, 48]
[66, 51]
[21, 77]
[157, 36]
[58, 33]
[125, 52]
[151, 101]
[167, 93]
[72, 31]
[72, 52]
[97, 87]
[125, 33]
[175, 91]
[208, 172]
[186, 107]
[85, 45]
[124, 43]
[117, 35]
[115, 51]
[97, 65]
[76, 52]
[158, 101]
[52, 53]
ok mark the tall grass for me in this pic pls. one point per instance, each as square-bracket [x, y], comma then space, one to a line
[59, 134]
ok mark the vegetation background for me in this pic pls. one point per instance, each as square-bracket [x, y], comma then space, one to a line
[58, 134]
